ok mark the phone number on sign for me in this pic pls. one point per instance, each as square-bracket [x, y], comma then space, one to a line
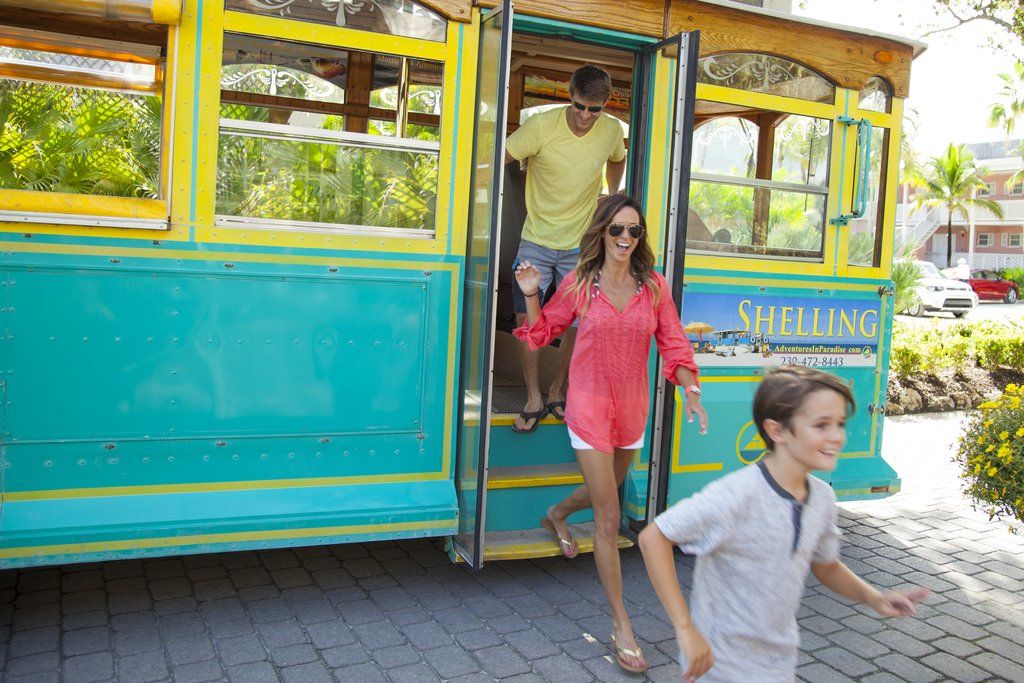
[814, 361]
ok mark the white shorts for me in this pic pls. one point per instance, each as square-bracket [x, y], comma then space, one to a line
[581, 445]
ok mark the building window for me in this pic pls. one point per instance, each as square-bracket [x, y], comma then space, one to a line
[395, 17]
[765, 74]
[986, 190]
[985, 239]
[1012, 240]
[753, 196]
[320, 138]
[80, 116]
[1017, 187]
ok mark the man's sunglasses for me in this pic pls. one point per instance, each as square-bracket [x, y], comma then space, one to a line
[636, 231]
[596, 109]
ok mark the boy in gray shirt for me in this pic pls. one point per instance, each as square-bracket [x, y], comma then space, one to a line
[756, 533]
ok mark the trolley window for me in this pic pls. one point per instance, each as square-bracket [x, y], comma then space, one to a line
[395, 17]
[866, 231]
[80, 115]
[759, 182]
[876, 96]
[325, 139]
[765, 74]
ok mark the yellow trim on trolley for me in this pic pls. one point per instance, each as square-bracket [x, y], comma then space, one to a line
[206, 539]
[308, 32]
[214, 486]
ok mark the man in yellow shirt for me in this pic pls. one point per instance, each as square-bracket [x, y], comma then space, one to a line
[565, 149]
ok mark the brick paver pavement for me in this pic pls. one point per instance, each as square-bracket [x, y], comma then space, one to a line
[402, 612]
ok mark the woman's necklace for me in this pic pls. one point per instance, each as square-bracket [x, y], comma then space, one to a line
[618, 290]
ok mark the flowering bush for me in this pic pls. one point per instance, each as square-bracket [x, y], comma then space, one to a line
[991, 456]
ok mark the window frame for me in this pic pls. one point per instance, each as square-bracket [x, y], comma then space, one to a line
[94, 210]
[772, 104]
[989, 239]
[359, 41]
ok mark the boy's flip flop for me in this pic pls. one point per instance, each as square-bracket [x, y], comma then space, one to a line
[557, 404]
[567, 545]
[620, 652]
[536, 417]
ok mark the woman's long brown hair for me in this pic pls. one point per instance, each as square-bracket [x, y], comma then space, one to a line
[592, 251]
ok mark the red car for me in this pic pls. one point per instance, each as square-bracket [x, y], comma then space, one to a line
[988, 285]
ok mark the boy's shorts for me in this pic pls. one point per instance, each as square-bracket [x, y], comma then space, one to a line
[552, 264]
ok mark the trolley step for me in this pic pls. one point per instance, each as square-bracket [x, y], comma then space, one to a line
[555, 474]
[526, 543]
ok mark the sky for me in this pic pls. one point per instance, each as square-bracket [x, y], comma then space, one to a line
[952, 85]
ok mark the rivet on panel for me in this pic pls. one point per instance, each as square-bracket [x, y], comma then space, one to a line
[206, 458]
[235, 457]
[109, 446]
[115, 260]
[222, 443]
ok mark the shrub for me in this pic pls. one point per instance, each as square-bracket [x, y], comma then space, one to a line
[991, 457]
[927, 349]
[1015, 274]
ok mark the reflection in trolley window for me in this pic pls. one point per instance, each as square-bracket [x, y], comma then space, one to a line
[318, 138]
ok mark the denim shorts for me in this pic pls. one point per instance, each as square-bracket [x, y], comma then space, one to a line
[553, 264]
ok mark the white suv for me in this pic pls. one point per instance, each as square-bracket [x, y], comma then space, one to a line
[936, 292]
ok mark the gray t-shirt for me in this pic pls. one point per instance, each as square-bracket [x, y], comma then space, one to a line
[754, 545]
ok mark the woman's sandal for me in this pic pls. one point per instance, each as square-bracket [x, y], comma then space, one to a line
[567, 545]
[622, 651]
[536, 417]
[551, 409]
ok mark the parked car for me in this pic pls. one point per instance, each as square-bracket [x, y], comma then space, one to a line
[988, 285]
[938, 293]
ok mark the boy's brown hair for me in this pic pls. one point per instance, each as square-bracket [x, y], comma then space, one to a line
[591, 82]
[785, 389]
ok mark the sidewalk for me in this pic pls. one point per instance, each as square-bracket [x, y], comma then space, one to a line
[402, 612]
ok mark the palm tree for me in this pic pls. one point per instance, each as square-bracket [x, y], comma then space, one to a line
[1006, 112]
[952, 180]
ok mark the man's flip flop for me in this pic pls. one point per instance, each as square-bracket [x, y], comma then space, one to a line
[567, 545]
[536, 417]
[557, 404]
[623, 651]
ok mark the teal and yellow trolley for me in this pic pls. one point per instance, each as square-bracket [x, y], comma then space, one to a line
[256, 259]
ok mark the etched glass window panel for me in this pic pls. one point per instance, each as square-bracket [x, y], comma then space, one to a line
[876, 96]
[765, 74]
[394, 17]
[726, 146]
[801, 150]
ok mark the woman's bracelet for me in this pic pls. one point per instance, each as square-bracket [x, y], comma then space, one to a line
[534, 294]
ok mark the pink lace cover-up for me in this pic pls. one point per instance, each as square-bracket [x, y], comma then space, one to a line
[609, 390]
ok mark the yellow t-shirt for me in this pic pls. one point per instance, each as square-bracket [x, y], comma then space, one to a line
[563, 175]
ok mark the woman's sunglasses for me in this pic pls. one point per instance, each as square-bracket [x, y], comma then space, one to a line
[636, 231]
[596, 109]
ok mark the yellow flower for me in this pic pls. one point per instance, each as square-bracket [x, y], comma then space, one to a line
[991, 447]
[1015, 402]
[987, 423]
[1019, 432]
[1011, 388]
[981, 439]
[992, 471]
[1004, 435]
[1005, 452]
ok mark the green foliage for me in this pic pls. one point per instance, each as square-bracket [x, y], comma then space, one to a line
[323, 183]
[991, 456]
[1014, 274]
[77, 140]
[986, 344]
[905, 277]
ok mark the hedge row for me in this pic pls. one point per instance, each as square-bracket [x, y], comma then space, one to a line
[985, 344]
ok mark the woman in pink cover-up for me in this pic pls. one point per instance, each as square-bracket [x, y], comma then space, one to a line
[620, 302]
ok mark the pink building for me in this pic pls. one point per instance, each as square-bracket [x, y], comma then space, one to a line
[985, 241]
